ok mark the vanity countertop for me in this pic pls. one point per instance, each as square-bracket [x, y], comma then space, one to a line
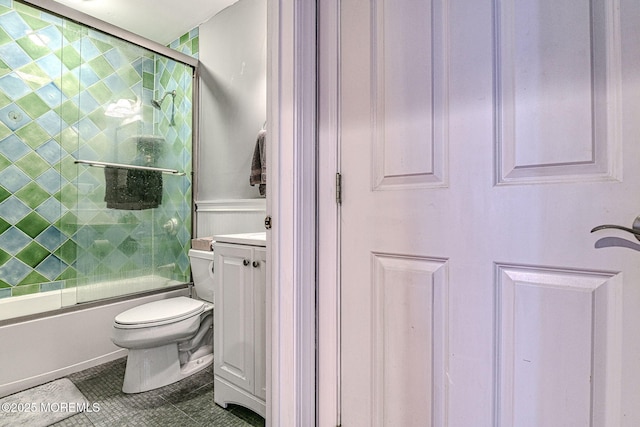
[254, 239]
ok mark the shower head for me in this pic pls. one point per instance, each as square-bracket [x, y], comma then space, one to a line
[158, 103]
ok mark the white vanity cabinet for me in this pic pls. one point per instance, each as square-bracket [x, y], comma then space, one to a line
[239, 321]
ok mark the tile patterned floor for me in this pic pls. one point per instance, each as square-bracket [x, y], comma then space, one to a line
[186, 403]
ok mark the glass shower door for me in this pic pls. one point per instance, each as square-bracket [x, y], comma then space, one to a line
[73, 99]
[130, 217]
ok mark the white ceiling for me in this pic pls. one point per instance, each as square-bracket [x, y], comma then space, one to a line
[159, 20]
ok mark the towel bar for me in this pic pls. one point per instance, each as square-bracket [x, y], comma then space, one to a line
[123, 166]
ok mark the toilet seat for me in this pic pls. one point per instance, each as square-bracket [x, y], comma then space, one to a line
[159, 313]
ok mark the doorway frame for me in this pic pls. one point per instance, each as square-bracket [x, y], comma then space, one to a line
[328, 248]
[292, 205]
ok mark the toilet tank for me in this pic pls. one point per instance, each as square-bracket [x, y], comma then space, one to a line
[202, 272]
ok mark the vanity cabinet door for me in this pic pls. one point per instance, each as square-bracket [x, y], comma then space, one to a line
[234, 315]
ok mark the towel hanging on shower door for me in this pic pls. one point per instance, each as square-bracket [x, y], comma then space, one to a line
[132, 189]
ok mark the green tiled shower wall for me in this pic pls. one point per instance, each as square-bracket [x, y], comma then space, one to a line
[57, 80]
[188, 43]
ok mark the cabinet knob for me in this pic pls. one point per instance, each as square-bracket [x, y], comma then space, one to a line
[245, 262]
[256, 264]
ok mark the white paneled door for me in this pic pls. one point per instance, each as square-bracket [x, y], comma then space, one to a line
[480, 142]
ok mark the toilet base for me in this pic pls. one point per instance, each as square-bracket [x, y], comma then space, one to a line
[151, 368]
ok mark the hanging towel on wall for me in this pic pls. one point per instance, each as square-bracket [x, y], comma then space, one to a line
[132, 189]
[259, 164]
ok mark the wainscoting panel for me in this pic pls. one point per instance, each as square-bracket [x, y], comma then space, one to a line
[229, 216]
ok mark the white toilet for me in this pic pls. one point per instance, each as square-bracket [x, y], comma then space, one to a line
[169, 339]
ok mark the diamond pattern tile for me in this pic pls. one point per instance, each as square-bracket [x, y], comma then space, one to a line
[33, 76]
[116, 261]
[4, 131]
[4, 194]
[88, 49]
[14, 25]
[13, 117]
[51, 267]
[51, 95]
[50, 36]
[68, 194]
[13, 241]
[13, 179]
[32, 134]
[4, 257]
[49, 209]
[69, 84]
[67, 278]
[50, 151]
[33, 105]
[56, 79]
[4, 99]
[51, 182]
[33, 46]
[100, 92]
[69, 57]
[68, 252]
[68, 140]
[87, 128]
[4, 70]
[85, 236]
[32, 225]
[33, 20]
[14, 56]
[32, 194]
[115, 83]
[86, 75]
[51, 238]
[32, 255]
[69, 112]
[50, 122]
[101, 67]
[32, 164]
[13, 86]
[51, 65]
[4, 37]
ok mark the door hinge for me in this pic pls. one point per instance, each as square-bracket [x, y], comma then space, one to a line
[339, 188]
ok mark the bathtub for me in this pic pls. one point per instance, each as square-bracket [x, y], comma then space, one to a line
[40, 302]
[52, 344]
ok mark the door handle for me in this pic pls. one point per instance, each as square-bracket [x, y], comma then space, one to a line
[635, 228]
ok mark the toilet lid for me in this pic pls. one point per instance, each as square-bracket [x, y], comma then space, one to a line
[163, 311]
